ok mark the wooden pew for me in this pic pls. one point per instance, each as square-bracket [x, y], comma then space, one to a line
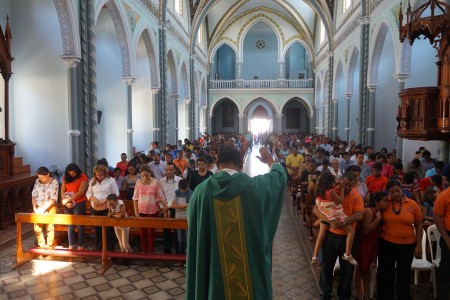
[159, 223]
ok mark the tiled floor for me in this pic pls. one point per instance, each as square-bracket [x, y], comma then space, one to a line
[77, 278]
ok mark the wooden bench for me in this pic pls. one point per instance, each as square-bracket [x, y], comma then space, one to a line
[61, 219]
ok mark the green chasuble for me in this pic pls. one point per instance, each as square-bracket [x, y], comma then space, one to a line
[232, 221]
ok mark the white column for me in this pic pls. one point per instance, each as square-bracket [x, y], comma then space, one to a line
[187, 112]
[238, 73]
[348, 97]
[129, 81]
[156, 113]
[176, 97]
[241, 123]
[401, 78]
[371, 127]
[74, 109]
[335, 118]
[279, 123]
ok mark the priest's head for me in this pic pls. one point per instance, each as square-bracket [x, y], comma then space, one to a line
[229, 157]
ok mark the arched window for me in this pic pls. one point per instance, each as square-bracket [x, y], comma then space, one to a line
[200, 35]
[179, 7]
[321, 33]
[346, 4]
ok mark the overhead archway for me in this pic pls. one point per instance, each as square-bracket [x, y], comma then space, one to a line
[260, 116]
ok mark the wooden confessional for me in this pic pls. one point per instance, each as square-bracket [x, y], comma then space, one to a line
[16, 183]
[424, 113]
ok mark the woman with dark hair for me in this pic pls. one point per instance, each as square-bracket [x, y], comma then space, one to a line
[367, 243]
[400, 239]
[44, 197]
[123, 163]
[73, 194]
[130, 181]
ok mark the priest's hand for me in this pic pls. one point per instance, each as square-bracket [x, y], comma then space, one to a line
[265, 157]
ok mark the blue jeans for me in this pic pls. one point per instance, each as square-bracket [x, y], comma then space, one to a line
[443, 272]
[78, 209]
[182, 240]
[333, 247]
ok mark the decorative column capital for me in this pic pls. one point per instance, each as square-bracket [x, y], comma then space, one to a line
[335, 100]
[130, 130]
[401, 77]
[281, 61]
[348, 96]
[155, 91]
[129, 80]
[74, 133]
[193, 56]
[187, 100]
[204, 107]
[279, 116]
[175, 96]
[241, 116]
[372, 87]
[164, 25]
[330, 53]
[71, 61]
[364, 20]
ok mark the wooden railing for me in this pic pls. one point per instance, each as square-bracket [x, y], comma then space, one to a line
[61, 219]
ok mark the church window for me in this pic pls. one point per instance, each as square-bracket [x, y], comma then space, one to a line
[321, 33]
[346, 4]
[179, 7]
[200, 35]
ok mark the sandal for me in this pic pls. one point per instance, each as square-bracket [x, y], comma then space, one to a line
[349, 259]
[315, 260]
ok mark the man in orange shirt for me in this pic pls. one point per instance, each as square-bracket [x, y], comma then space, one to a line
[442, 220]
[376, 182]
[333, 246]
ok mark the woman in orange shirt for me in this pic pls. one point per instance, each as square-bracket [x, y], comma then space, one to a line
[398, 243]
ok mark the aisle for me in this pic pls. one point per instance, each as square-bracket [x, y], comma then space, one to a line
[292, 274]
[78, 278]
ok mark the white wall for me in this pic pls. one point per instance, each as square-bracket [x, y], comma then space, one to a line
[111, 92]
[38, 95]
[410, 147]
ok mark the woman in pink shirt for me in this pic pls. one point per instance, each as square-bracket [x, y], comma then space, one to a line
[147, 196]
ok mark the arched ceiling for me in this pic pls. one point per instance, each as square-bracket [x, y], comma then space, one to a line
[218, 13]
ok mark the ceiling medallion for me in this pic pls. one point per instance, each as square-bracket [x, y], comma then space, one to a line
[260, 44]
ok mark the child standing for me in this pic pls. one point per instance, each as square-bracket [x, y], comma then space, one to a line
[329, 199]
[117, 210]
[180, 203]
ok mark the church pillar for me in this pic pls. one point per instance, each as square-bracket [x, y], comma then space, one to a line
[188, 103]
[335, 118]
[281, 81]
[241, 123]
[330, 92]
[74, 109]
[163, 27]
[156, 114]
[89, 84]
[401, 78]
[175, 97]
[192, 112]
[444, 150]
[279, 118]
[324, 118]
[129, 81]
[371, 123]
[238, 74]
[312, 122]
[317, 114]
[364, 22]
[348, 97]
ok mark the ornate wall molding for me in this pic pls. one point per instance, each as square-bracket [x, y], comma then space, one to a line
[151, 54]
[122, 38]
[151, 7]
[376, 56]
[67, 26]
[346, 31]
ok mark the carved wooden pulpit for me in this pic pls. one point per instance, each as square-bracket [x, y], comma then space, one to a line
[6, 145]
[425, 111]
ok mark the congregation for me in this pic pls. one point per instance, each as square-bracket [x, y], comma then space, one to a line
[371, 207]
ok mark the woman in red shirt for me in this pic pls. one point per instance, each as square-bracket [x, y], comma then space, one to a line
[73, 195]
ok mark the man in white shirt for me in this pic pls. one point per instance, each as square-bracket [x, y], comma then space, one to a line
[169, 184]
[157, 166]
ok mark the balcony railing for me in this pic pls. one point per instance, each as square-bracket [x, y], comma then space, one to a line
[261, 84]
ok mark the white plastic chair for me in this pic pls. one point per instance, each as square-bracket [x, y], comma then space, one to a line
[422, 264]
[433, 236]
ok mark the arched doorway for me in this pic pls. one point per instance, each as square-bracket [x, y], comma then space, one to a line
[296, 116]
[225, 117]
[260, 115]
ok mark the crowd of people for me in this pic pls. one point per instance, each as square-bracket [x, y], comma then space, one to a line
[371, 205]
